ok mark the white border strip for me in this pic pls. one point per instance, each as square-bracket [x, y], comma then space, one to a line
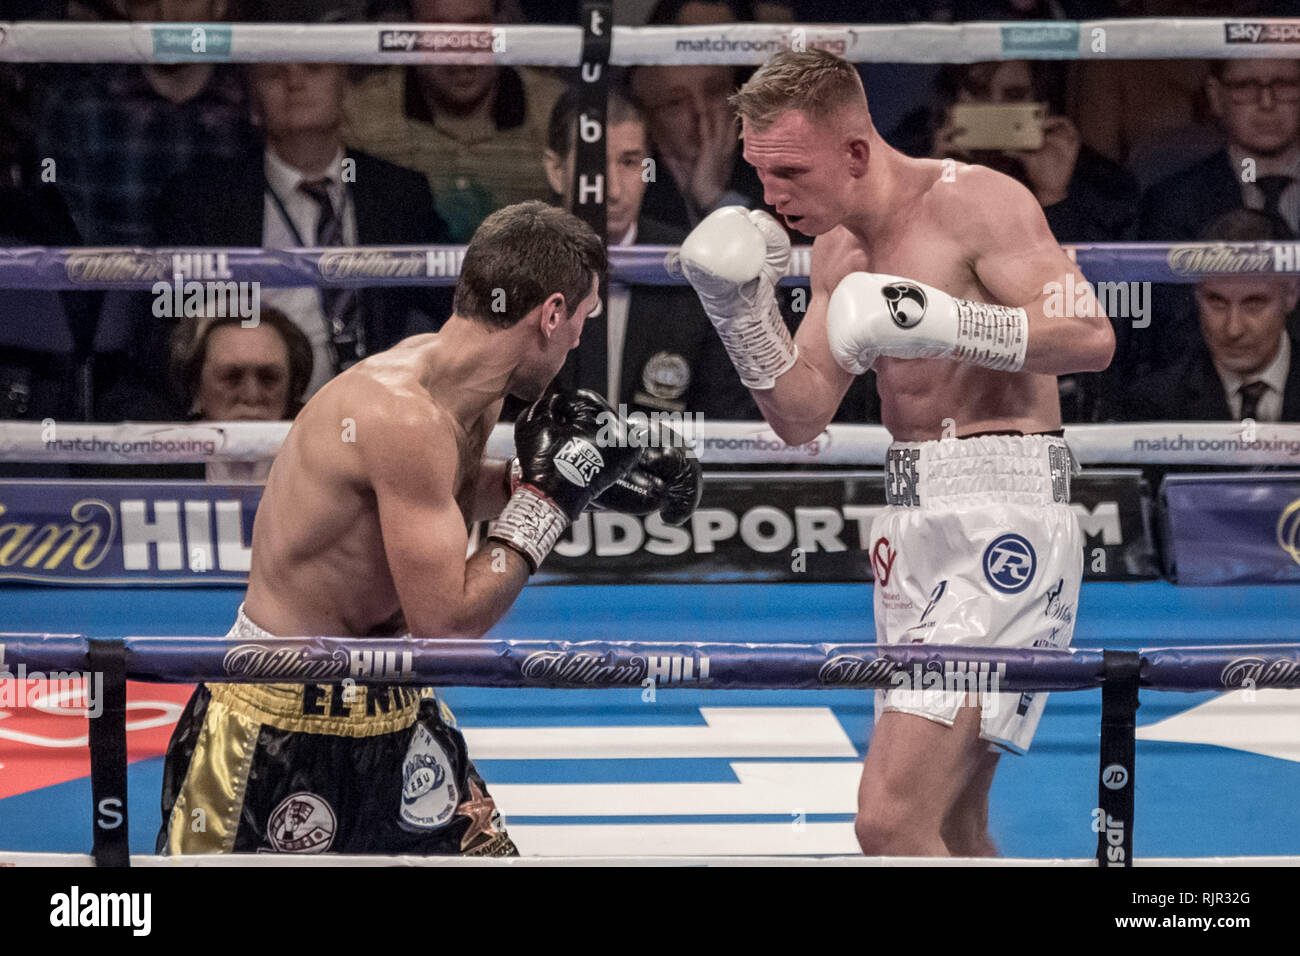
[717, 443]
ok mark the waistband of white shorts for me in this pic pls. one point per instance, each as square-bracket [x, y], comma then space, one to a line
[1016, 469]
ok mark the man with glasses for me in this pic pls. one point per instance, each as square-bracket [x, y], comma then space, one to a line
[1257, 106]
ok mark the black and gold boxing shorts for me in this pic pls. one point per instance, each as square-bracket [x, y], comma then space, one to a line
[312, 768]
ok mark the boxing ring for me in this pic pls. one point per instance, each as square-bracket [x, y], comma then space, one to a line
[760, 762]
[698, 771]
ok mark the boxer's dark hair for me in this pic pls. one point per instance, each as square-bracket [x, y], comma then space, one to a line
[522, 254]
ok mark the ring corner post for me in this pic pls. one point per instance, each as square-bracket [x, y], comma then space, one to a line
[107, 660]
[1122, 672]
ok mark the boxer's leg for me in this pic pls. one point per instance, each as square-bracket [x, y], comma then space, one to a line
[966, 830]
[915, 774]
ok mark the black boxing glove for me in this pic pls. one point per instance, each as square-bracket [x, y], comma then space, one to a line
[667, 479]
[570, 447]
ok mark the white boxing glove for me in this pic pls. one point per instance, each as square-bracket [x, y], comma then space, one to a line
[870, 315]
[734, 259]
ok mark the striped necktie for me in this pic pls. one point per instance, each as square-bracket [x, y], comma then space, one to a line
[347, 334]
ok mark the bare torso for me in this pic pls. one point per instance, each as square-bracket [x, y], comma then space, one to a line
[925, 241]
[319, 565]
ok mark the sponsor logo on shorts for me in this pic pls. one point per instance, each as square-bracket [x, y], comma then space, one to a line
[906, 303]
[1058, 458]
[1279, 31]
[429, 794]
[902, 482]
[1009, 563]
[302, 823]
[578, 460]
[882, 561]
[1057, 609]
[1253, 672]
[922, 625]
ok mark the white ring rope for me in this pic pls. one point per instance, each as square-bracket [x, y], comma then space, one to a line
[747, 43]
[717, 443]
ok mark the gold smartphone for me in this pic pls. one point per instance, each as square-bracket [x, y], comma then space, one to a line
[999, 126]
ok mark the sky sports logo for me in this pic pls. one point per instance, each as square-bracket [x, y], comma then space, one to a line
[1279, 31]
[75, 909]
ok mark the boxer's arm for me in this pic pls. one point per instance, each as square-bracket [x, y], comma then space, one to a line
[805, 398]
[492, 491]
[1020, 263]
[425, 540]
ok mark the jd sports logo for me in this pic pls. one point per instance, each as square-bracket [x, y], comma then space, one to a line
[906, 303]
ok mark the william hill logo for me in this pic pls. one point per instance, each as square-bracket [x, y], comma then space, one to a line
[131, 535]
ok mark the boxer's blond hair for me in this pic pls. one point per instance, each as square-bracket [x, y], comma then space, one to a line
[813, 81]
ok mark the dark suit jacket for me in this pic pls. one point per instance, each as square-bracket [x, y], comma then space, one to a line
[1179, 207]
[223, 205]
[1175, 209]
[663, 200]
[1191, 390]
[673, 359]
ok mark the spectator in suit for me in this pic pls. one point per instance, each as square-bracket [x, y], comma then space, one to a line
[1257, 104]
[692, 128]
[228, 373]
[118, 133]
[1244, 362]
[303, 188]
[476, 132]
[652, 348]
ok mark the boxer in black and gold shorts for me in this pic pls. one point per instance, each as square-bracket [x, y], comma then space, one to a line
[363, 530]
[310, 768]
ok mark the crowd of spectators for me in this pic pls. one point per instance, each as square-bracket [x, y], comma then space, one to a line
[279, 155]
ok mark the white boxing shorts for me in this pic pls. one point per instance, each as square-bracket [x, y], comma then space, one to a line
[977, 546]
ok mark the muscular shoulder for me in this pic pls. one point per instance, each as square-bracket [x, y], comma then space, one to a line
[395, 429]
[979, 205]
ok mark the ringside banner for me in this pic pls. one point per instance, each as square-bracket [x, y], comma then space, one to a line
[126, 532]
[783, 526]
[1234, 529]
[812, 527]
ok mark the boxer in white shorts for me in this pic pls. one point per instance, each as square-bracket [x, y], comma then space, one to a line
[978, 546]
[946, 280]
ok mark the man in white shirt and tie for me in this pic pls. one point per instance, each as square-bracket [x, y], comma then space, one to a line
[302, 186]
[1244, 366]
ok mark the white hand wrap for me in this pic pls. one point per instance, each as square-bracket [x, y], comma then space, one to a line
[870, 315]
[734, 259]
[530, 523]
